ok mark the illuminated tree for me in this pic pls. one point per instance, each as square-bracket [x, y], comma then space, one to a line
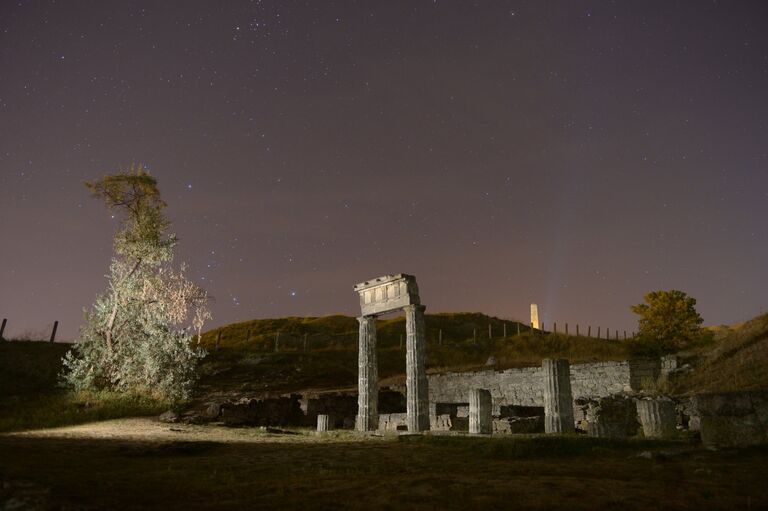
[136, 337]
[668, 320]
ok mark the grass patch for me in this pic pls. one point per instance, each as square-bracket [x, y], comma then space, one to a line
[179, 470]
[519, 447]
[735, 359]
[30, 397]
[64, 408]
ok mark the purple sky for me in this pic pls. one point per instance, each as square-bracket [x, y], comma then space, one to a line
[573, 154]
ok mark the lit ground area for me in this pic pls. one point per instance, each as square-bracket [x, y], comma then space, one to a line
[144, 464]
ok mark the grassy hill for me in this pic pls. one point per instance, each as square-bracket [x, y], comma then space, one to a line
[321, 353]
[735, 359]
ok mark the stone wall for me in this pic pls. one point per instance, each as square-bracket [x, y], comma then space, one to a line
[523, 387]
[732, 419]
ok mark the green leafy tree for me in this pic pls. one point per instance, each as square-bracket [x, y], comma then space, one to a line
[668, 320]
[137, 336]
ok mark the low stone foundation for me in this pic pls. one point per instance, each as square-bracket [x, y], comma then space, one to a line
[732, 419]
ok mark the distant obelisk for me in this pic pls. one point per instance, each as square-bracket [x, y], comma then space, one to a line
[535, 316]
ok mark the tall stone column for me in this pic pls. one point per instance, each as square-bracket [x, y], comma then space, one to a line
[480, 408]
[558, 400]
[415, 369]
[367, 376]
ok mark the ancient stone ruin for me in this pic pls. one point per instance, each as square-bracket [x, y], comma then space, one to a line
[558, 400]
[480, 408]
[383, 295]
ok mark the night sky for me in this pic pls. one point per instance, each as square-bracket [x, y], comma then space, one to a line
[572, 154]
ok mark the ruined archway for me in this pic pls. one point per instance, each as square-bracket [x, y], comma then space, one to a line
[378, 296]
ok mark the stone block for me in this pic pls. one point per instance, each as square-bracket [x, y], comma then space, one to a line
[440, 422]
[518, 425]
[658, 417]
[324, 422]
[558, 400]
[480, 406]
[609, 417]
[387, 293]
[732, 419]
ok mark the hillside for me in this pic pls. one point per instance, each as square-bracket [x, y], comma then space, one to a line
[246, 359]
[735, 359]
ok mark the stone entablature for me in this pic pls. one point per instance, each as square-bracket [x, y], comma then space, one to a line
[389, 293]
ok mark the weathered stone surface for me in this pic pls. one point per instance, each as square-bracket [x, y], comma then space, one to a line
[440, 422]
[658, 417]
[393, 422]
[558, 400]
[211, 411]
[524, 386]
[169, 416]
[324, 423]
[457, 415]
[368, 377]
[387, 293]
[417, 396]
[513, 425]
[733, 419]
[609, 417]
[480, 405]
[669, 364]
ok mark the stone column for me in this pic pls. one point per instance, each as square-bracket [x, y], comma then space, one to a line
[415, 369]
[480, 406]
[658, 417]
[324, 423]
[367, 376]
[558, 401]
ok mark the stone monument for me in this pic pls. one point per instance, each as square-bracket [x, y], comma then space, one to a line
[534, 316]
[378, 296]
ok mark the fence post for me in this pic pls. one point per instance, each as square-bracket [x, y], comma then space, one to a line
[53, 333]
[625, 335]
[440, 337]
[518, 328]
[577, 329]
[505, 330]
[598, 332]
[555, 327]
[277, 341]
[474, 336]
[589, 330]
[2, 329]
[490, 333]
[218, 340]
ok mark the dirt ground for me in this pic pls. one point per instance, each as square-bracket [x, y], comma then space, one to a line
[144, 464]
